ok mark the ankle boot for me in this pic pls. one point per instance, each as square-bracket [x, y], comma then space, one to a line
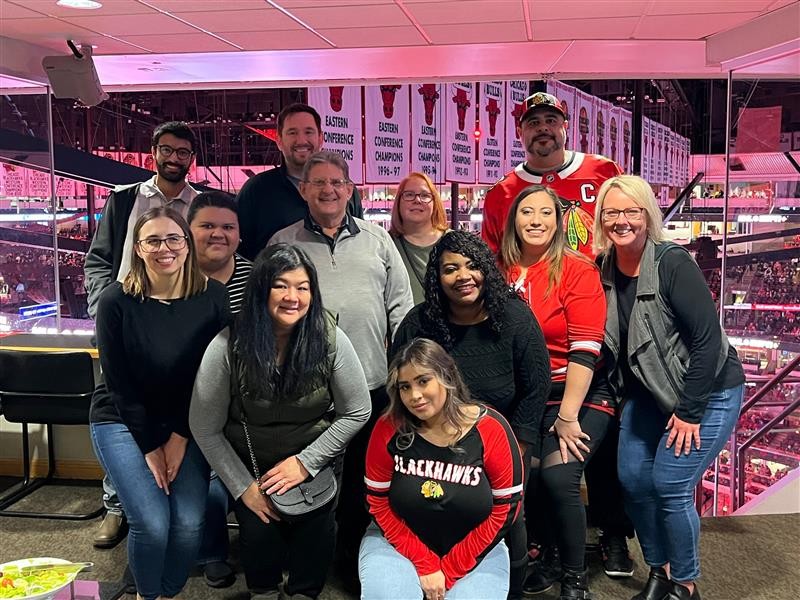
[658, 585]
[575, 585]
[543, 573]
[681, 592]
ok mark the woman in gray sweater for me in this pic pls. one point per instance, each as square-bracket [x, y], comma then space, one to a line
[285, 384]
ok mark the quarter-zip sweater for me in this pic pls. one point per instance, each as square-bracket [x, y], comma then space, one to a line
[362, 280]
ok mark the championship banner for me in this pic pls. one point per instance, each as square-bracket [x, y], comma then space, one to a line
[38, 184]
[459, 143]
[426, 129]
[340, 110]
[602, 119]
[614, 129]
[387, 132]
[15, 181]
[491, 161]
[516, 92]
[567, 95]
[658, 161]
[132, 158]
[646, 150]
[584, 139]
[626, 135]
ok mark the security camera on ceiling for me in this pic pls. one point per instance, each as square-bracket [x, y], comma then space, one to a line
[74, 76]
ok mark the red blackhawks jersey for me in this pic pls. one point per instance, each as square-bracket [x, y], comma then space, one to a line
[444, 509]
[576, 182]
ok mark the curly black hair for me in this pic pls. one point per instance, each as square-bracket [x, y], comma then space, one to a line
[496, 292]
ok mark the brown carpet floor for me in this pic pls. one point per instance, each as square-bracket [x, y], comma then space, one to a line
[743, 558]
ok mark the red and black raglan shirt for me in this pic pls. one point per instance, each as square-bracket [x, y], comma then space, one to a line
[576, 182]
[445, 508]
[573, 318]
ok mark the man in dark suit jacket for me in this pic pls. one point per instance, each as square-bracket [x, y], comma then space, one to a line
[271, 200]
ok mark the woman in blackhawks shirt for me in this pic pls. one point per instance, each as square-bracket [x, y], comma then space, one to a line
[444, 482]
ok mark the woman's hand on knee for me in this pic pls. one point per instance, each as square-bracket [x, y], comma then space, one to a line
[157, 464]
[570, 439]
[433, 585]
[682, 434]
[284, 476]
[256, 501]
[174, 451]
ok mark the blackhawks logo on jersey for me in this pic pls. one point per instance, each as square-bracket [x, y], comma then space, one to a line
[432, 490]
[577, 224]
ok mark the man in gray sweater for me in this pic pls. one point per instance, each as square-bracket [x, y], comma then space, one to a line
[363, 281]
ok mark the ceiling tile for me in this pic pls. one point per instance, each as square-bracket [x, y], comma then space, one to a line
[182, 42]
[11, 10]
[277, 40]
[110, 7]
[477, 33]
[578, 29]
[182, 6]
[557, 10]
[294, 4]
[706, 7]
[374, 37]
[241, 20]
[153, 23]
[352, 17]
[678, 27]
[35, 29]
[465, 11]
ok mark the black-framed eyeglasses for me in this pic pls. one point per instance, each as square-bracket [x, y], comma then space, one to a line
[166, 151]
[424, 197]
[338, 184]
[173, 242]
[612, 214]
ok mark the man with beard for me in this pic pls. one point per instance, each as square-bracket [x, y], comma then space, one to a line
[574, 176]
[108, 260]
[270, 201]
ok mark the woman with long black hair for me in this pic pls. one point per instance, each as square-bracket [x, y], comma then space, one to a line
[263, 399]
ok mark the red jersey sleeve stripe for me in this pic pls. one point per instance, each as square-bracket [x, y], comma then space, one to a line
[589, 346]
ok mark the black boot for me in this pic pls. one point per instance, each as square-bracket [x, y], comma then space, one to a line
[544, 572]
[575, 585]
[681, 592]
[658, 586]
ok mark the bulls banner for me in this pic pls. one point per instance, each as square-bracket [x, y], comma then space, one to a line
[427, 117]
[626, 135]
[340, 110]
[567, 95]
[387, 132]
[614, 128]
[602, 119]
[491, 162]
[459, 142]
[516, 92]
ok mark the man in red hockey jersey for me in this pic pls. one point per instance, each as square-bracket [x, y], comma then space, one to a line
[574, 176]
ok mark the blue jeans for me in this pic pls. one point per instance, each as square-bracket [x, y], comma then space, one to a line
[386, 574]
[214, 547]
[165, 531]
[659, 487]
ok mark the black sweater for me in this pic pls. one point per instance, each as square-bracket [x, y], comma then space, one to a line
[150, 351]
[511, 371]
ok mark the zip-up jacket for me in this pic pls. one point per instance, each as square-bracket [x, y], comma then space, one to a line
[661, 348]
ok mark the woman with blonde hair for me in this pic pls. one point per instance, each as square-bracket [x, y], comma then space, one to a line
[562, 288]
[444, 482]
[678, 379]
[152, 330]
[418, 221]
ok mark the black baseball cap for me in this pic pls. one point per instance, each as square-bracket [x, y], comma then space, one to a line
[542, 100]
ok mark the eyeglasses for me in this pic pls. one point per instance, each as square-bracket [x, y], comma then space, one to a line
[338, 184]
[173, 242]
[167, 151]
[612, 214]
[424, 197]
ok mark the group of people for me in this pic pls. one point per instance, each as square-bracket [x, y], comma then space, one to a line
[457, 388]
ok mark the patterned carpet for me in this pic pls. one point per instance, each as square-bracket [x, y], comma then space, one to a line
[747, 558]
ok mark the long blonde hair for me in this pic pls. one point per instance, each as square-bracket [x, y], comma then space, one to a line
[638, 190]
[438, 216]
[511, 246]
[137, 283]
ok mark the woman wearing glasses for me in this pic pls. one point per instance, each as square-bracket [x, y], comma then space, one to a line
[152, 330]
[678, 379]
[418, 221]
[562, 288]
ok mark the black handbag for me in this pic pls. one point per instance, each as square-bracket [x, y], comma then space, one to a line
[303, 500]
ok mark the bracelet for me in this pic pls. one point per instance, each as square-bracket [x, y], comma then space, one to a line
[567, 420]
